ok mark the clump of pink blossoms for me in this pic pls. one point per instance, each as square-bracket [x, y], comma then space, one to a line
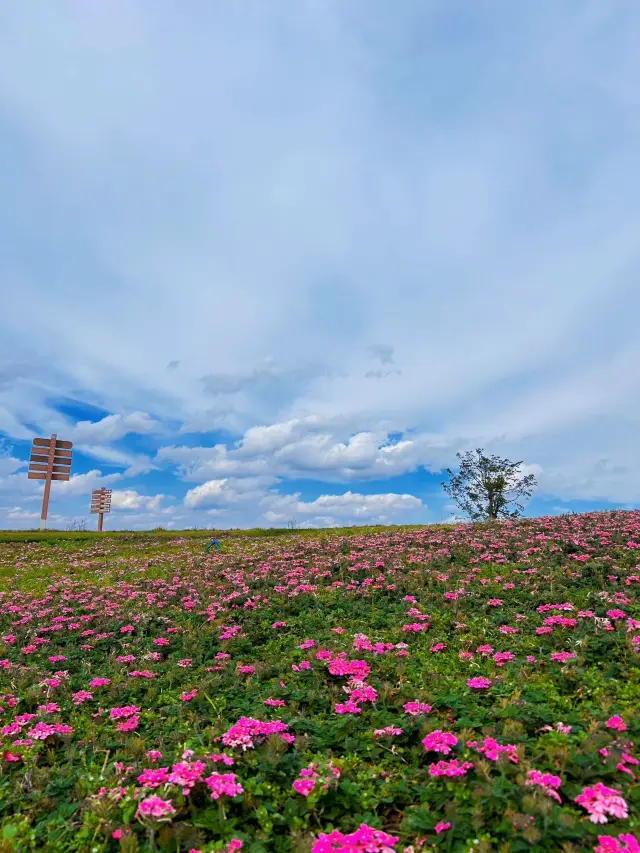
[363, 840]
[356, 668]
[414, 709]
[624, 843]
[247, 730]
[616, 723]
[439, 741]
[155, 808]
[223, 784]
[450, 768]
[479, 682]
[601, 801]
[312, 775]
[547, 781]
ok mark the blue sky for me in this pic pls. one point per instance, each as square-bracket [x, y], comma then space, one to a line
[265, 262]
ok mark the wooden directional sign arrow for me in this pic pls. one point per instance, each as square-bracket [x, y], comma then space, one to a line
[50, 460]
[100, 503]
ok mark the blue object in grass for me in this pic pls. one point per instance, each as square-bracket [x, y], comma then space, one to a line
[213, 544]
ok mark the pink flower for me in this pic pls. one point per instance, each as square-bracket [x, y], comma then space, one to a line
[617, 723]
[349, 707]
[547, 782]
[304, 786]
[563, 657]
[624, 843]
[99, 682]
[153, 778]
[363, 839]
[356, 668]
[156, 808]
[450, 768]
[414, 709]
[123, 712]
[223, 784]
[186, 774]
[439, 741]
[388, 731]
[479, 682]
[601, 801]
[81, 696]
[441, 826]
[187, 697]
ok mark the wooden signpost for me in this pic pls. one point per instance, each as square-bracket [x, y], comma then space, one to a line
[50, 460]
[100, 503]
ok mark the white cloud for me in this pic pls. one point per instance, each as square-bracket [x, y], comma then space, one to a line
[327, 508]
[130, 499]
[20, 514]
[112, 428]
[310, 448]
[227, 491]
[84, 484]
[9, 464]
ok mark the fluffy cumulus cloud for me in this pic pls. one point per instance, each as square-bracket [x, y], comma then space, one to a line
[309, 448]
[365, 254]
[112, 427]
[130, 499]
[349, 506]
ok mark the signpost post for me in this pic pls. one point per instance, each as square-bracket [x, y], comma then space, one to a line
[50, 460]
[100, 503]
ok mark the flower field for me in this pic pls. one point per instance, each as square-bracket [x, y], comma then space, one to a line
[470, 688]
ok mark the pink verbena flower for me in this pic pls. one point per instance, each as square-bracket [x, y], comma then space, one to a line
[81, 696]
[624, 843]
[356, 668]
[414, 709]
[492, 750]
[441, 826]
[186, 774]
[439, 741]
[99, 682]
[563, 657]
[450, 768]
[154, 778]
[364, 840]
[601, 801]
[389, 731]
[247, 730]
[156, 808]
[479, 682]
[223, 784]
[617, 723]
[123, 712]
[546, 781]
[349, 707]
[304, 786]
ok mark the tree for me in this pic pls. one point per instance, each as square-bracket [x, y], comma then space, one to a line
[485, 486]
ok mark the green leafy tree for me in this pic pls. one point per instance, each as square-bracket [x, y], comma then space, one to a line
[486, 486]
